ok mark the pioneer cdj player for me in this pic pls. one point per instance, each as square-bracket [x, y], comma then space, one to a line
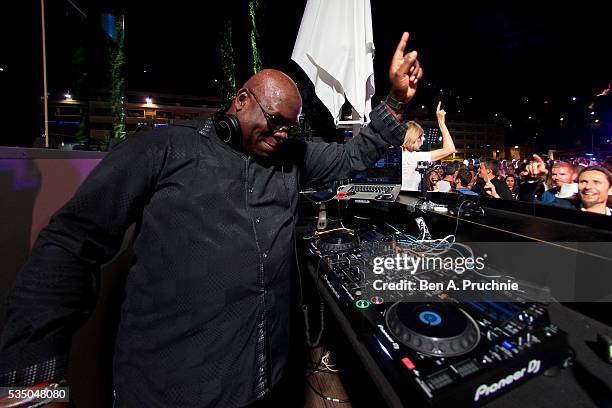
[443, 349]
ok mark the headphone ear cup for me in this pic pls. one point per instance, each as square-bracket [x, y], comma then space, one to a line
[228, 128]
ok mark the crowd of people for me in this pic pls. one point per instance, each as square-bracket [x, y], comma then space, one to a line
[580, 183]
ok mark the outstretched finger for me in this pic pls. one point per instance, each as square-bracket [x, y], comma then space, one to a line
[438, 108]
[401, 46]
[538, 159]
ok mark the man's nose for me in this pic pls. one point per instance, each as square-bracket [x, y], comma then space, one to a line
[281, 134]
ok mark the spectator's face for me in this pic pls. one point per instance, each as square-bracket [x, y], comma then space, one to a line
[434, 177]
[594, 188]
[483, 172]
[562, 175]
[510, 182]
[440, 171]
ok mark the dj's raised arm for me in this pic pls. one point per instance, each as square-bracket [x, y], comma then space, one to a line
[325, 162]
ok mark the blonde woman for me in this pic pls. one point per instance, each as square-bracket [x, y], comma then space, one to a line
[413, 142]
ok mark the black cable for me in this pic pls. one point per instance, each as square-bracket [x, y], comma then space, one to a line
[317, 365]
[325, 397]
[303, 307]
[458, 212]
[316, 343]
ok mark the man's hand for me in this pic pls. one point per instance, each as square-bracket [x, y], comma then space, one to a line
[490, 189]
[404, 73]
[537, 168]
[440, 113]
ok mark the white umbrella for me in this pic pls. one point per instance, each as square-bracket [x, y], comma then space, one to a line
[335, 48]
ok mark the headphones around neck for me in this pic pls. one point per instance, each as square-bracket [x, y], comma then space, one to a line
[228, 128]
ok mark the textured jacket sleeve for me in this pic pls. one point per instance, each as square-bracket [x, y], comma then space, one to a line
[54, 292]
[325, 162]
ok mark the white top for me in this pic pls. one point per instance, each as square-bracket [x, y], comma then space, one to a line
[608, 210]
[410, 177]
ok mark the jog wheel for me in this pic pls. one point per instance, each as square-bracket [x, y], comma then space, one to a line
[434, 329]
[338, 242]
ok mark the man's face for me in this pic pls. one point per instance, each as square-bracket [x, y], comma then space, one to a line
[265, 124]
[483, 172]
[594, 188]
[562, 175]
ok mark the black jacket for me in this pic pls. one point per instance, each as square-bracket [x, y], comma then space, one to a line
[501, 188]
[205, 320]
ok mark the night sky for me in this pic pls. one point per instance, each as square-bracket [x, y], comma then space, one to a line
[509, 58]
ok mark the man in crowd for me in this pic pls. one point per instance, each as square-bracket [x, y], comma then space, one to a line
[463, 178]
[451, 172]
[562, 173]
[205, 321]
[489, 183]
[595, 187]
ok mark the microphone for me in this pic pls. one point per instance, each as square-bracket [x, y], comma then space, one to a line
[413, 204]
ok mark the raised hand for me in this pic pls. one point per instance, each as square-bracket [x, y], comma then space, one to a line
[490, 188]
[537, 168]
[440, 113]
[404, 73]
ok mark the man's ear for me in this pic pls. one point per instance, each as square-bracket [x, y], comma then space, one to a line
[240, 99]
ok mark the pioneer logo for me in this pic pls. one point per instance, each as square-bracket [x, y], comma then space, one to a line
[533, 367]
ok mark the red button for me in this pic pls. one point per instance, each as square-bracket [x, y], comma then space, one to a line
[408, 363]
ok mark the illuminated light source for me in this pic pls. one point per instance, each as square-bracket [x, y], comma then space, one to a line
[497, 151]
[574, 98]
[529, 117]
[516, 147]
[67, 96]
[383, 348]
[596, 120]
[422, 106]
[561, 119]
[592, 113]
[1, 69]
[148, 100]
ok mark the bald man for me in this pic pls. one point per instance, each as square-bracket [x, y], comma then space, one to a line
[562, 173]
[205, 320]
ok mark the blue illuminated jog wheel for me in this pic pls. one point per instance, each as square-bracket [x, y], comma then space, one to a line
[430, 318]
[435, 329]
